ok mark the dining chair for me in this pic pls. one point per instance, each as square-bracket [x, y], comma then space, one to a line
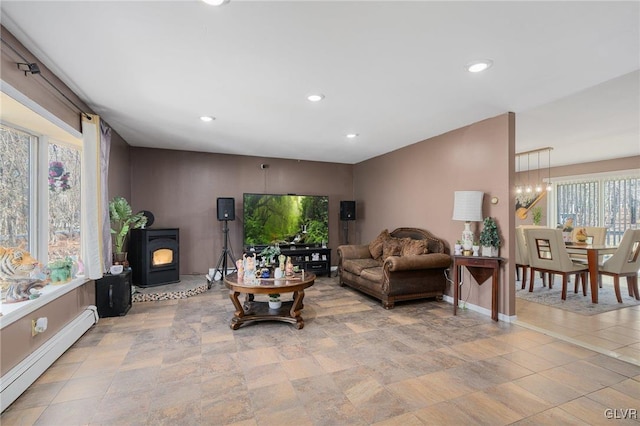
[625, 262]
[548, 254]
[522, 255]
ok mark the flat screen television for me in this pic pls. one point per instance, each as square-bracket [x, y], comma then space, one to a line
[285, 219]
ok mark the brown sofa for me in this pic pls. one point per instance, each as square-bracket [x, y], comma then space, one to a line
[406, 264]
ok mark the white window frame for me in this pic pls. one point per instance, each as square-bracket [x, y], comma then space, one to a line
[63, 134]
[599, 177]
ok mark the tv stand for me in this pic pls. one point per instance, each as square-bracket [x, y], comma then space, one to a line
[303, 258]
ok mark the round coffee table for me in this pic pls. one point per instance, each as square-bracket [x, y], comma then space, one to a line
[260, 311]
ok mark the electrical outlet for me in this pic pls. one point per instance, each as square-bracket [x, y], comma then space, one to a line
[38, 326]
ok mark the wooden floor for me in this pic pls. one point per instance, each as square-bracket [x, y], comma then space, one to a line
[178, 362]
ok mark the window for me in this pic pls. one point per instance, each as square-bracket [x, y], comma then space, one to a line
[63, 181]
[600, 200]
[621, 206]
[24, 186]
[15, 187]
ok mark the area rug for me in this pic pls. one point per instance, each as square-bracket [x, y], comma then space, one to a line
[576, 302]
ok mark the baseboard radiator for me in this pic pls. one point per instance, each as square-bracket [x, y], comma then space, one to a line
[19, 378]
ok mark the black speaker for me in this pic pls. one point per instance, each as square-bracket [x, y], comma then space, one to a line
[226, 209]
[113, 294]
[347, 210]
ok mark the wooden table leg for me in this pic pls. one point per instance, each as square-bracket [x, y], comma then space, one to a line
[456, 285]
[494, 294]
[592, 261]
[296, 308]
[239, 313]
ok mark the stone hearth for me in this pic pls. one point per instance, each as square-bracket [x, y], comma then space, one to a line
[189, 285]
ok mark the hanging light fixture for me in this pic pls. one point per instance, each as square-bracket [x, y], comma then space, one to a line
[538, 185]
[518, 170]
[549, 185]
[528, 189]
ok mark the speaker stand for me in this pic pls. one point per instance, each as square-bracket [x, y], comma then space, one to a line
[345, 227]
[226, 253]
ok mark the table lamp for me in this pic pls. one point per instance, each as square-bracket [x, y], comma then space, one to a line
[467, 206]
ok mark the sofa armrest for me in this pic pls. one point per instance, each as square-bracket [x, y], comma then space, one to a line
[354, 252]
[416, 262]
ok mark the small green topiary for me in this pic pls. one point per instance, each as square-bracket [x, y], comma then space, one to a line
[489, 237]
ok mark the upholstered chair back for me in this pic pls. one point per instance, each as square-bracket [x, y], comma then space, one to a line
[626, 259]
[547, 250]
[522, 255]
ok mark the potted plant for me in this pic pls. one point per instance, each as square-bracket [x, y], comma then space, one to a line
[269, 254]
[274, 301]
[476, 248]
[122, 220]
[490, 238]
[536, 215]
[457, 247]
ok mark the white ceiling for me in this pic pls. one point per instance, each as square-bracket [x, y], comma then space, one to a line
[391, 71]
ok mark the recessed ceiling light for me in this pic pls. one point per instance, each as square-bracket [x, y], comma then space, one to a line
[315, 98]
[479, 66]
[207, 118]
[352, 135]
[216, 2]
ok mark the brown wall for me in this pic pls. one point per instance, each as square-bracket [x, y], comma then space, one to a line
[119, 168]
[34, 86]
[414, 186]
[181, 188]
[16, 342]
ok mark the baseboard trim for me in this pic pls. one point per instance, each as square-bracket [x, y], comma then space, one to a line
[479, 309]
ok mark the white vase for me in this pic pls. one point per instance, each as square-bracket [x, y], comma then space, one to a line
[476, 250]
[275, 304]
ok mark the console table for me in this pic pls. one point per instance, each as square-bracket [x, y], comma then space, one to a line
[480, 268]
[303, 258]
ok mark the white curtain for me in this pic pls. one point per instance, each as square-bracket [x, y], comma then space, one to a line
[105, 149]
[92, 208]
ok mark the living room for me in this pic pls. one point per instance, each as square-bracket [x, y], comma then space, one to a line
[412, 185]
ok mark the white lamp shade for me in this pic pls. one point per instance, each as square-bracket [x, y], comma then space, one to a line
[467, 206]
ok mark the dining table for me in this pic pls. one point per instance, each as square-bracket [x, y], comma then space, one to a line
[593, 253]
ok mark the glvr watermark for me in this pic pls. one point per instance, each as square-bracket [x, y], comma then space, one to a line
[621, 413]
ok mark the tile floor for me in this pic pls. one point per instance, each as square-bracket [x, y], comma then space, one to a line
[615, 333]
[354, 363]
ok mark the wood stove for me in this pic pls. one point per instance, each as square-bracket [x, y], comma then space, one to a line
[154, 256]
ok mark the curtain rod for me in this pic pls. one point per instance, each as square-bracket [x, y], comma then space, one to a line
[46, 79]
